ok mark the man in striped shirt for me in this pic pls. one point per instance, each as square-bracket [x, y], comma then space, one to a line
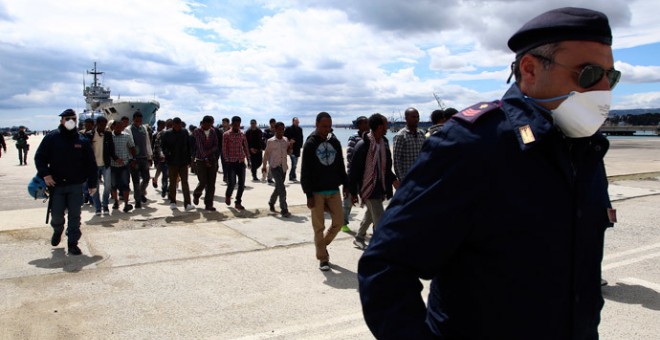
[407, 144]
[235, 151]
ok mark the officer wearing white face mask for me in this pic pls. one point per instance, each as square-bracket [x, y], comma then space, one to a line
[65, 161]
[521, 190]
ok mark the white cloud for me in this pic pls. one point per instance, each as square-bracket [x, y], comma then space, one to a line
[638, 74]
[646, 100]
[295, 58]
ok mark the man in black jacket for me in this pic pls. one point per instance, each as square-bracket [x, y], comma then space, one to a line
[65, 161]
[321, 175]
[371, 175]
[254, 137]
[294, 133]
[177, 150]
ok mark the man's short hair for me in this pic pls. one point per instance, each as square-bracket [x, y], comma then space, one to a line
[89, 120]
[449, 112]
[272, 120]
[176, 120]
[436, 116]
[376, 120]
[225, 120]
[321, 115]
[101, 119]
[253, 121]
[137, 114]
[235, 119]
[160, 121]
[208, 119]
[124, 118]
[278, 124]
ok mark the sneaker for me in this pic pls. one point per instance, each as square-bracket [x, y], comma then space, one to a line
[286, 214]
[57, 237]
[324, 266]
[106, 211]
[190, 207]
[98, 213]
[254, 179]
[209, 209]
[228, 200]
[74, 250]
[138, 205]
[173, 206]
[128, 207]
[360, 244]
[195, 200]
[238, 206]
[272, 207]
[115, 206]
[345, 228]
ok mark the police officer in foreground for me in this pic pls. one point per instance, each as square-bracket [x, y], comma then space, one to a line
[65, 161]
[519, 198]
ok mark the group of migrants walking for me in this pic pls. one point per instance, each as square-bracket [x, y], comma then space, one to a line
[504, 208]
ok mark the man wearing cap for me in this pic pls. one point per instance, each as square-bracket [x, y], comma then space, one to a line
[521, 188]
[362, 124]
[65, 161]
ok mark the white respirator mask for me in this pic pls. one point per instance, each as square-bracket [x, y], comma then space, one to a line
[582, 113]
[70, 124]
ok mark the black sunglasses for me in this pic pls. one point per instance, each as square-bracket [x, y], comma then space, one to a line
[590, 75]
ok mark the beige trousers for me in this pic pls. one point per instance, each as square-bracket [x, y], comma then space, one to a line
[322, 238]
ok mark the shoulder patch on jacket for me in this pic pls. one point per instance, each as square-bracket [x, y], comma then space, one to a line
[474, 112]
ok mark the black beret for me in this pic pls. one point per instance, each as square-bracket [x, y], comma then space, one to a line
[68, 113]
[562, 24]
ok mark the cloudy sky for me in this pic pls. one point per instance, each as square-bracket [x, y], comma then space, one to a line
[284, 58]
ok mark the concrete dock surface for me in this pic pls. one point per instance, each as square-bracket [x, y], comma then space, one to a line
[155, 273]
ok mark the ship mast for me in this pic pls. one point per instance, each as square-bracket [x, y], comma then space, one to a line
[95, 73]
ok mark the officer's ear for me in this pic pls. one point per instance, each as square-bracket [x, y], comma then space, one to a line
[529, 68]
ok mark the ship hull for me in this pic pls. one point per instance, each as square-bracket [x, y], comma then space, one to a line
[117, 110]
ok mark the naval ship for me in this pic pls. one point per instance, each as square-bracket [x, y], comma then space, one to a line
[98, 102]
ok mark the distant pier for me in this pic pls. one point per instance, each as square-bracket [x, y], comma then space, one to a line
[630, 130]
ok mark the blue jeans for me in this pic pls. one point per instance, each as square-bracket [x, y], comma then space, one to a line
[107, 184]
[292, 172]
[235, 169]
[165, 180]
[69, 198]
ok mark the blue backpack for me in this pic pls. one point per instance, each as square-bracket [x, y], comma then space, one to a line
[37, 188]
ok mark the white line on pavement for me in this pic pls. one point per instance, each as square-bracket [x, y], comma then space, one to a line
[631, 251]
[290, 332]
[640, 282]
[629, 261]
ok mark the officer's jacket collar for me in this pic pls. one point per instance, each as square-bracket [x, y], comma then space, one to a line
[528, 122]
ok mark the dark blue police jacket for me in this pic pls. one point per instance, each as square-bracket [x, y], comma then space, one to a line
[67, 157]
[506, 216]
